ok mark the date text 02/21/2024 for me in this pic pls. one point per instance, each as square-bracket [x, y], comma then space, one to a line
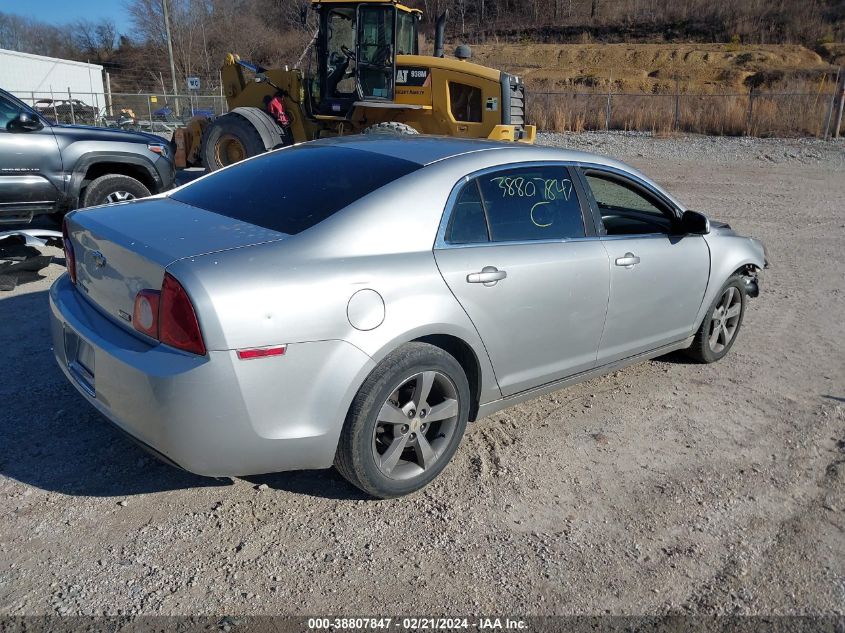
[417, 623]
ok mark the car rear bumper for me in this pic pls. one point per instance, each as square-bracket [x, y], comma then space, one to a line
[212, 415]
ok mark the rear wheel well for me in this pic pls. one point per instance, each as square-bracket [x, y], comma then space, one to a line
[126, 169]
[466, 358]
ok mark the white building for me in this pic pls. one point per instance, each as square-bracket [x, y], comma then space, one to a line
[33, 77]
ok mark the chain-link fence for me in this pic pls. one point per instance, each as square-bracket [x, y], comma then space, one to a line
[149, 112]
[754, 114]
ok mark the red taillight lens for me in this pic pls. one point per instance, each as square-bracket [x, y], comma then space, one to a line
[177, 320]
[145, 313]
[70, 257]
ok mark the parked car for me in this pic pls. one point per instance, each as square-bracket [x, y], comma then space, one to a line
[71, 111]
[47, 168]
[357, 301]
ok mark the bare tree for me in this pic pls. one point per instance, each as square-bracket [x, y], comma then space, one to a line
[96, 39]
[274, 32]
[19, 33]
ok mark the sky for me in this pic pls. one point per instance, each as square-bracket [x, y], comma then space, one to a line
[60, 12]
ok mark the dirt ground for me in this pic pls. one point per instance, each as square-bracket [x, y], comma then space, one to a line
[666, 487]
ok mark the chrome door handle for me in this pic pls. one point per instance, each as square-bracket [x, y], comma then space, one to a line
[489, 276]
[629, 261]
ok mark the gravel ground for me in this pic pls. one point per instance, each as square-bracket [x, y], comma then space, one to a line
[666, 487]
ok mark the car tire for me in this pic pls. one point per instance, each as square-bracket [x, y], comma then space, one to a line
[387, 455]
[113, 188]
[391, 127]
[721, 324]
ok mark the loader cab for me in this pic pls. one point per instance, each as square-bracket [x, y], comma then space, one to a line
[356, 50]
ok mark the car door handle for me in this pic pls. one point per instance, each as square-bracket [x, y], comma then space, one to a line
[489, 276]
[629, 261]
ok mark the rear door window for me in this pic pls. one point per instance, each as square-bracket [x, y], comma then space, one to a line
[468, 224]
[531, 203]
[293, 189]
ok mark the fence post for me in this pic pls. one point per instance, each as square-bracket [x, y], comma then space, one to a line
[677, 104]
[150, 113]
[223, 104]
[70, 101]
[53, 103]
[108, 94]
[840, 106]
[607, 111]
[750, 123]
[829, 117]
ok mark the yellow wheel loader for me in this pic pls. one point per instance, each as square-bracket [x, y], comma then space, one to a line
[364, 74]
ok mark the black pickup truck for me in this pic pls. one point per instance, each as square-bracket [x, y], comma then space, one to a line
[49, 168]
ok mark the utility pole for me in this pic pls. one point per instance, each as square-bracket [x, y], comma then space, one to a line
[170, 54]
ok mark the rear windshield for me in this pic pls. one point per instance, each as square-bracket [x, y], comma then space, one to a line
[294, 189]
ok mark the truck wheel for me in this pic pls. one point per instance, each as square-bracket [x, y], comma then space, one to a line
[113, 188]
[390, 127]
[230, 139]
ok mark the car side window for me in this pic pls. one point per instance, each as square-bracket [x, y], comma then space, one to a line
[531, 203]
[468, 224]
[626, 209]
[8, 111]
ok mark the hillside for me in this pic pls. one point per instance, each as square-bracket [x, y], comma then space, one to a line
[792, 85]
[653, 68]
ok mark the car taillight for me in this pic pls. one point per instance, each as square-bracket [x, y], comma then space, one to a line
[70, 257]
[177, 320]
[168, 315]
[145, 313]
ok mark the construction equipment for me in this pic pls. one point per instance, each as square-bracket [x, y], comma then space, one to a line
[363, 74]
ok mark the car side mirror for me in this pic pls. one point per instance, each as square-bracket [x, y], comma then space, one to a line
[694, 223]
[25, 122]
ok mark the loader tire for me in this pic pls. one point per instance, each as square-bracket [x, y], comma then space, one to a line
[391, 127]
[237, 135]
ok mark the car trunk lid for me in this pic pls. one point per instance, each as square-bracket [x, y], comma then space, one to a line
[124, 248]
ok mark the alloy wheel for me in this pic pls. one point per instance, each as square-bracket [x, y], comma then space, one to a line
[725, 319]
[119, 196]
[415, 425]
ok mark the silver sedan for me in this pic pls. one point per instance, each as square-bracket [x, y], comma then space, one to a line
[355, 302]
